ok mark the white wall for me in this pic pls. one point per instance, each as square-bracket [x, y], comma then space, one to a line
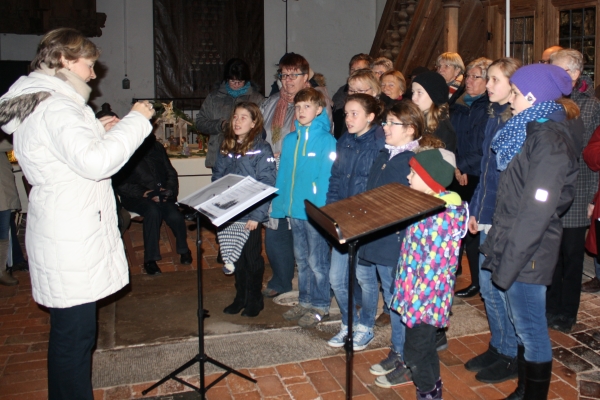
[326, 32]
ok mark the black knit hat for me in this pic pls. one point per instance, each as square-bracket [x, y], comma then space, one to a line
[435, 85]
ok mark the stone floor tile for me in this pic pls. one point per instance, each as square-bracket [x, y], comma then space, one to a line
[136, 390]
[336, 365]
[589, 389]
[334, 396]
[219, 393]
[587, 354]
[449, 359]
[254, 395]
[289, 370]
[303, 391]
[24, 387]
[488, 392]
[240, 385]
[588, 340]
[37, 395]
[312, 366]
[571, 360]
[564, 373]
[25, 366]
[270, 386]
[324, 382]
[564, 390]
[255, 372]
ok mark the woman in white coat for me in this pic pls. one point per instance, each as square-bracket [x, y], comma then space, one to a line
[75, 253]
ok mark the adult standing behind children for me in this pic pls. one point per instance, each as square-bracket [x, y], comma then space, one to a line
[76, 255]
[562, 300]
[306, 160]
[537, 152]
[430, 94]
[216, 109]
[279, 118]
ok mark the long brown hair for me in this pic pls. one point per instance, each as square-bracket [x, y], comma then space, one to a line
[230, 142]
[409, 113]
[434, 116]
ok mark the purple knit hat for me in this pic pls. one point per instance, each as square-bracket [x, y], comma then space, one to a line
[542, 82]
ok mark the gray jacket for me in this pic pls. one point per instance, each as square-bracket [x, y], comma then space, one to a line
[217, 108]
[9, 198]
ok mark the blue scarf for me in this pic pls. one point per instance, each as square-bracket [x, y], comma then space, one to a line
[469, 100]
[508, 141]
[240, 92]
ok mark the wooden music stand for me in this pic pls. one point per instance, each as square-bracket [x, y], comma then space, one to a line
[358, 216]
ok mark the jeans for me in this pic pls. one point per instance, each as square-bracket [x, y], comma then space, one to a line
[312, 257]
[562, 297]
[72, 337]
[279, 245]
[154, 213]
[338, 276]
[527, 310]
[502, 330]
[422, 357]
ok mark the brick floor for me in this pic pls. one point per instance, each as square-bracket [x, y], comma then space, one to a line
[24, 330]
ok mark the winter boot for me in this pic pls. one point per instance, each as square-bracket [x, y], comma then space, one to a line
[5, 277]
[255, 302]
[483, 360]
[435, 394]
[241, 293]
[503, 369]
[537, 381]
[519, 392]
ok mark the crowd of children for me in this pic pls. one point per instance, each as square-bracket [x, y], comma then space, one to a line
[416, 264]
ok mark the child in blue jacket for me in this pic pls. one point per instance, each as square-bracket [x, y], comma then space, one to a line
[304, 171]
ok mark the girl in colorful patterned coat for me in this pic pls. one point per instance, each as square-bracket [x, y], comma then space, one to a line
[424, 285]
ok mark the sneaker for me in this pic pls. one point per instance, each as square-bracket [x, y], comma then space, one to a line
[397, 377]
[340, 339]
[441, 341]
[228, 269]
[362, 337]
[295, 313]
[387, 365]
[312, 318]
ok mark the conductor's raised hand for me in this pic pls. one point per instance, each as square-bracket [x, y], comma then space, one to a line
[145, 108]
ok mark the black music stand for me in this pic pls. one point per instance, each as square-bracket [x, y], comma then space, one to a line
[201, 357]
[358, 216]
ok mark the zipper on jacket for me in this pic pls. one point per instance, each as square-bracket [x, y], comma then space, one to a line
[294, 175]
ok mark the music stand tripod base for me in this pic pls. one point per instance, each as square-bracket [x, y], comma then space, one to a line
[201, 358]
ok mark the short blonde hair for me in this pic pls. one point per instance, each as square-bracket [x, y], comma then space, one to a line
[482, 63]
[452, 59]
[367, 76]
[384, 62]
[63, 42]
[399, 77]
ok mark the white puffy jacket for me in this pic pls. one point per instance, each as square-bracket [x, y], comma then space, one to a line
[75, 252]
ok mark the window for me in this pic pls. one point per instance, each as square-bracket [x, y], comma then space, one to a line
[578, 31]
[521, 39]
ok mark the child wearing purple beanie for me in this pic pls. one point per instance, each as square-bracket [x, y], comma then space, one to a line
[537, 151]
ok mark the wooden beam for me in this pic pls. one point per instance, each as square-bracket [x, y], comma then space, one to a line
[451, 25]
[384, 25]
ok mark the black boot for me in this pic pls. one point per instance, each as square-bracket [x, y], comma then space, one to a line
[519, 393]
[255, 302]
[483, 360]
[538, 380]
[503, 369]
[241, 293]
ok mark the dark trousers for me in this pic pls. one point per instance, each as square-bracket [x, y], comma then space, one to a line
[154, 214]
[470, 243]
[421, 357]
[250, 267]
[17, 252]
[279, 245]
[72, 337]
[562, 297]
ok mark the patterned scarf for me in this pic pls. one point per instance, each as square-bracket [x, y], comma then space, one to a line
[239, 92]
[394, 150]
[508, 141]
[281, 107]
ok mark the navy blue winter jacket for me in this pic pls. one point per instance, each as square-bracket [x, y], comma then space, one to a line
[483, 201]
[385, 248]
[258, 163]
[355, 156]
[469, 124]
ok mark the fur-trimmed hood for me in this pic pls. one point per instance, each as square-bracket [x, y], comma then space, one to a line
[26, 94]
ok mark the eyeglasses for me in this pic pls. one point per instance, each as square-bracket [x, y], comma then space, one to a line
[544, 61]
[390, 123]
[285, 77]
[236, 82]
[354, 91]
[468, 76]
[444, 66]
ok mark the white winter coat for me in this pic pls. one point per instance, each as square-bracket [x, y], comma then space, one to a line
[75, 252]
